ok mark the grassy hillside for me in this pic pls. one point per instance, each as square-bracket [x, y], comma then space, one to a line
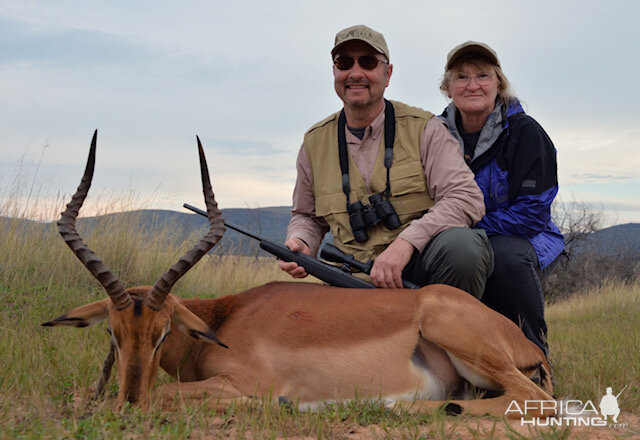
[595, 343]
[44, 373]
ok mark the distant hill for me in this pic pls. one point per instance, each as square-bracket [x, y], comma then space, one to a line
[23, 226]
[271, 223]
[621, 240]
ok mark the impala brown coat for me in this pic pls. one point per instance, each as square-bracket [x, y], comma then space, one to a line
[306, 343]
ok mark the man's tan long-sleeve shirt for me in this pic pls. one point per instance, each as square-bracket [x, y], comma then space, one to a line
[450, 182]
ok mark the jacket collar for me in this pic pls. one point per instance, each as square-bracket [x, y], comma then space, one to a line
[496, 123]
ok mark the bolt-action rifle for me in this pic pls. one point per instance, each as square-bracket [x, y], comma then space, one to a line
[333, 275]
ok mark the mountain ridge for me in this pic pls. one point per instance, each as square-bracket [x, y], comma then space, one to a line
[271, 223]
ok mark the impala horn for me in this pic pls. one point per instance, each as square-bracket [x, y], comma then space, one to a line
[163, 286]
[67, 227]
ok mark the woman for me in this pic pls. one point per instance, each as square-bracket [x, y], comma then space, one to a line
[514, 163]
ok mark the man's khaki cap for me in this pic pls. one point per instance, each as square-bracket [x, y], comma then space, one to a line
[362, 33]
[471, 47]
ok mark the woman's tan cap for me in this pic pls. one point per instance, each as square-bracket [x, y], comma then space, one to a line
[483, 50]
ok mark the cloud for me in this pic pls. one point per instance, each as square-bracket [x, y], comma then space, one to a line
[22, 42]
[600, 177]
[622, 206]
[616, 206]
[244, 147]
[597, 154]
[250, 77]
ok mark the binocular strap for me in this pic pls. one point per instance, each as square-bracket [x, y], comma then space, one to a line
[389, 137]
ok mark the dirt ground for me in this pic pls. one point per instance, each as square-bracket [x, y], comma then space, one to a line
[471, 428]
[480, 428]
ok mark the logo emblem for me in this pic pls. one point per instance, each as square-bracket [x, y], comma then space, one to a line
[569, 412]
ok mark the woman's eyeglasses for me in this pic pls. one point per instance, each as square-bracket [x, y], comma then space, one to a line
[462, 79]
[367, 62]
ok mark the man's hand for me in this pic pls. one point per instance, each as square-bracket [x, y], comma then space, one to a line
[387, 268]
[291, 267]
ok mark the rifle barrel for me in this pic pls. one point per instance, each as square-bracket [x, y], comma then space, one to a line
[226, 223]
[618, 395]
[338, 277]
[321, 270]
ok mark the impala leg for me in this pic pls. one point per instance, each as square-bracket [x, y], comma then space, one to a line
[216, 392]
[486, 348]
[495, 406]
[520, 389]
[105, 374]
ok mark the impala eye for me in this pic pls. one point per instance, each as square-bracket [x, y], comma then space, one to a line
[164, 337]
[114, 341]
[161, 340]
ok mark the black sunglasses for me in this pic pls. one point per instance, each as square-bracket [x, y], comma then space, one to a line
[367, 62]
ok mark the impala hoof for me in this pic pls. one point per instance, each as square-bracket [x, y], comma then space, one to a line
[285, 403]
[452, 409]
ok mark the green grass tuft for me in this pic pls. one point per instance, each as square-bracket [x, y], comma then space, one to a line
[45, 372]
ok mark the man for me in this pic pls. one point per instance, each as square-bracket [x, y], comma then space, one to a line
[393, 153]
[609, 405]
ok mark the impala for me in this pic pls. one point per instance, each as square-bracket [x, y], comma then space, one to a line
[302, 342]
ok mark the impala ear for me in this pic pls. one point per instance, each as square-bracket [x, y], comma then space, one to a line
[188, 323]
[84, 316]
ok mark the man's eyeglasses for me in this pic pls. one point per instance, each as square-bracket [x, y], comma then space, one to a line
[462, 79]
[367, 62]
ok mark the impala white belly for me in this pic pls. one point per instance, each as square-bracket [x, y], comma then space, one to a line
[472, 376]
[392, 368]
[373, 368]
[428, 387]
[432, 387]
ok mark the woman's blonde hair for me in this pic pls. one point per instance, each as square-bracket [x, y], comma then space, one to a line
[505, 91]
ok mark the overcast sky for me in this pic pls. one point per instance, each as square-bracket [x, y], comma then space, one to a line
[250, 77]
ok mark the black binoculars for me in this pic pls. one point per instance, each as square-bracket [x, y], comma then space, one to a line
[362, 217]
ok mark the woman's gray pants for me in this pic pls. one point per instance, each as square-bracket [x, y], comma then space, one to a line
[515, 289]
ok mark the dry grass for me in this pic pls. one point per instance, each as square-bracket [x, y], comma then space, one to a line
[44, 373]
[595, 343]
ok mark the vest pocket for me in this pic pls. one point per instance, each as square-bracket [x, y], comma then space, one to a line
[407, 178]
[333, 207]
[409, 190]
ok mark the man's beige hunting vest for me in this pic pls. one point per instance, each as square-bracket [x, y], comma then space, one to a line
[409, 195]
